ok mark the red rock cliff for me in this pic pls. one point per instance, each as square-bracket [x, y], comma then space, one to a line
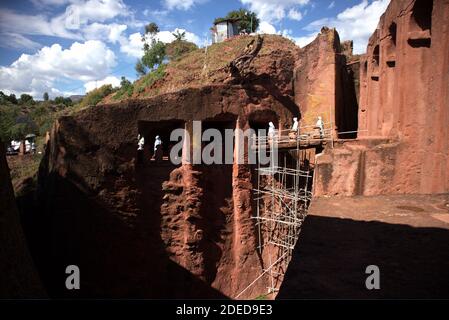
[158, 230]
[404, 109]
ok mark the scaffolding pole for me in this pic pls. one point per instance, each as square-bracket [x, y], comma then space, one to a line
[282, 197]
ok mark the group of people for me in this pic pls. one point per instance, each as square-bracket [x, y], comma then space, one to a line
[294, 131]
[158, 153]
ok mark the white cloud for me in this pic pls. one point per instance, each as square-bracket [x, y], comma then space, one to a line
[78, 22]
[181, 4]
[89, 86]
[65, 25]
[303, 41]
[38, 73]
[331, 5]
[154, 13]
[13, 22]
[265, 27]
[356, 23]
[167, 36]
[273, 11]
[300, 41]
[17, 41]
[109, 32]
[94, 10]
[286, 33]
[294, 14]
[41, 3]
[133, 45]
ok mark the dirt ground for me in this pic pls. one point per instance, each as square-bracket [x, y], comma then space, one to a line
[22, 167]
[407, 237]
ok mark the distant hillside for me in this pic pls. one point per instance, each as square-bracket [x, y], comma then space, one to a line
[76, 98]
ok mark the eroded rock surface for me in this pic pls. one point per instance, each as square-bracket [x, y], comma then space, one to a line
[404, 98]
[156, 230]
[18, 275]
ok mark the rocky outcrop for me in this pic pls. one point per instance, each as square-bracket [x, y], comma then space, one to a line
[404, 98]
[323, 83]
[356, 167]
[156, 230]
[405, 93]
[18, 275]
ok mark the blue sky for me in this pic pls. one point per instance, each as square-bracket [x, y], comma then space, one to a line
[66, 47]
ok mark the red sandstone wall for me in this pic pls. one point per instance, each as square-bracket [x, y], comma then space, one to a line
[315, 74]
[324, 85]
[404, 97]
[356, 167]
[151, 231]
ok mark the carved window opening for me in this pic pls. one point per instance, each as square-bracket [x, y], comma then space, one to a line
[222, 123]
[259, 120]
[393, 32]
[152, 151]
[376, 56]
[421, 24]
[391, 47]
[375, 63]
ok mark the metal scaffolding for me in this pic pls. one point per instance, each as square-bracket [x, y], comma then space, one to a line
[282, 196]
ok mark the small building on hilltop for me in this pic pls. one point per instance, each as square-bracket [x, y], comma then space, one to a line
[224, 29]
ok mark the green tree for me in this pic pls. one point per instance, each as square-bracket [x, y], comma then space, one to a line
[43, 116]
[26, 99]
[124, 82]
[179, 36]
[23, 126]
[140, 68]
[154, 50]
[46, 96]
[65, 101]
[126, 88]
[154, 55]
[96, 95]
[8, 115]
[151, 28]
[248, 20]
[151, 31]
[12, 98]
[3, 98]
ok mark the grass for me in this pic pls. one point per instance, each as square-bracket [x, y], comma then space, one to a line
[125, 91]
[191, 69]
[149, 79]
[96, 95]
[201, 67]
